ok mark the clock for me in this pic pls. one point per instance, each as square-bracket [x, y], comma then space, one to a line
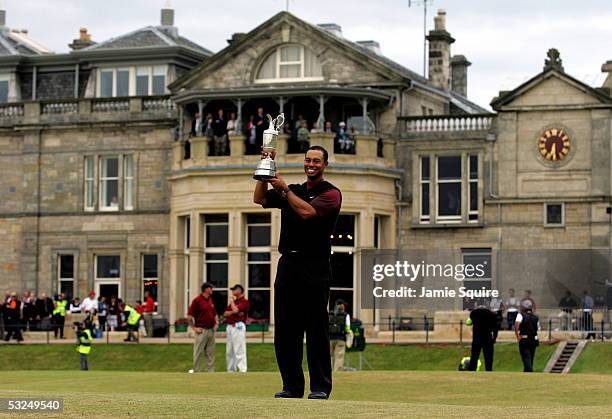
[554, 144]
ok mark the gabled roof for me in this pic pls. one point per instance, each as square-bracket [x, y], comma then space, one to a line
[149, 37]
[14, 42]
[507, 97]
[382, 63]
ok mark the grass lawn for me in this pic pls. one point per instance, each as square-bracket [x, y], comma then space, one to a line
[178, 357]
[596, 358]
[388, 393]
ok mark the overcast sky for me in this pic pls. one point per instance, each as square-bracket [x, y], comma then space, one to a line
[506, 40]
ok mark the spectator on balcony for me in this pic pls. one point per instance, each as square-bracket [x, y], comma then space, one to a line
[219, 127]
[207, 129]
[251, 137]
[315, 128]
[343, 142]
[232, 124]
[260, 126]
[328, 129]
[303, 137]
[196, 125]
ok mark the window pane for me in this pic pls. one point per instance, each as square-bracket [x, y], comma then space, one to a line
[149, 267]
[473, 196]
[123, 82]
[110, 167]
[216, 256]
[449, 199]
[67, 287]
[89, 193]
[342, 270]
[478, 259]
[216, 218]
[159, 85]
[259, 304]
[554, 214]
[106, 83]
[425, 168]
[312, 67]
[259, 257]
[4, 90]
[142, 85]
[290, 71]
[258, 218]
[268, 68]
[220, 301]
[216, 235]
[449, 167]
[110, 193]
[108, 266]
[259, 275]
[66, 266]
[259, 235]
[151, 285]
[290, 53]
[473, 167]
[344, 233]
[425, 199]
[216, 274]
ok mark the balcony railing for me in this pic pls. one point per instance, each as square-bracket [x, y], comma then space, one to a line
[110, 105]
[163, 103]
[445, 123]
[62, 107]
[9, 110]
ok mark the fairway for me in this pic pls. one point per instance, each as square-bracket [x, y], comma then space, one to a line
[389, 393]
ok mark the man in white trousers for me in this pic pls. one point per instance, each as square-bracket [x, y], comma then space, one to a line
[235, 316]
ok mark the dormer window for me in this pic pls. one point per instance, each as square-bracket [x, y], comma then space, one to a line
[290, 63]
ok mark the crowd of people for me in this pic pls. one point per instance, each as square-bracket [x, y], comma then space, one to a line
[218, 127]
[30, 312]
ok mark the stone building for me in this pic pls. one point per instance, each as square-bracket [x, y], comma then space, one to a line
[112, 182]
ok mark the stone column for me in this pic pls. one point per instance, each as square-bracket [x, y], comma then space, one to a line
[199, 149]
[195, 254]
[236, 145]
[235, 250]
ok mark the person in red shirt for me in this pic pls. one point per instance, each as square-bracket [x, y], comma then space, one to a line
[149, 309]
[202, 318]
[235, 316]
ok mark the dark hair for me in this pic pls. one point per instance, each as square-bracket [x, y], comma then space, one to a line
[206, 285]
[321, 149]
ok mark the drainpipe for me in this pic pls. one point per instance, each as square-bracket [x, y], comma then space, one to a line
[399, 194]
[491, 138]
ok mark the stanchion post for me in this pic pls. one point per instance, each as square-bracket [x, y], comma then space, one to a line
[549, 329]
[460, 331]
[393, 330]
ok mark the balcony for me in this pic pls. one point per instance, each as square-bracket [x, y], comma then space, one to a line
[90, 110]
[447, 126]
[370, 152]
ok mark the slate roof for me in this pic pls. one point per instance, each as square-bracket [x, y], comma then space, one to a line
[13, 42]
[149, 36]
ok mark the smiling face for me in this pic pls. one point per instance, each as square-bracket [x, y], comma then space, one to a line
[314, 164]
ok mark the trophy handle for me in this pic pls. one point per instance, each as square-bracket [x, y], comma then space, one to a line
[279, 121]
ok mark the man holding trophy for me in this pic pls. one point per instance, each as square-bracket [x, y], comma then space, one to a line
[301, 291]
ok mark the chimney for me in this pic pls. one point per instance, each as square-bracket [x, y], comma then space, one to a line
[2, 15]
[333, 28]
[167, 14]
[439, 52]
[83, 41]
[459, 65]
[373, 46]
[607, 68]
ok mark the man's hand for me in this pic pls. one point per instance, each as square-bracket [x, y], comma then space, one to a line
[278, 183]
[198, 330]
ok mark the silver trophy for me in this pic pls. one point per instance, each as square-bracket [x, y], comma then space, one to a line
[266, 169]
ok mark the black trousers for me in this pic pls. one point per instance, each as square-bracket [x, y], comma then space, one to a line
[487, 350]
[58, 325]
[527, 350]
[301, 294]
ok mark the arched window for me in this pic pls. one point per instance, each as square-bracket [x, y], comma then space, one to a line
[290, 63]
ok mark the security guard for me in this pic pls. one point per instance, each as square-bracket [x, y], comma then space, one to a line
[59, 315]
[84, 341]
[132, 322]
[526, 332]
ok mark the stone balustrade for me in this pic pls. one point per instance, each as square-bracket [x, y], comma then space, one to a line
[446, 123]
[59, 107]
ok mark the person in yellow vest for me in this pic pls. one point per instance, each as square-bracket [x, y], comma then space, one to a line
[84, 340]
[59, 315]
[464, 364]
[132, 320]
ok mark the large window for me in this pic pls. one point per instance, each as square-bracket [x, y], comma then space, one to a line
[289, 63]
[132, 81]
[474, 282]
[107, 272]
[454, 182]
[150, 275]
[342, 261]
[109, 178]
[65, 273]
[216, 234]
[185, 224]
[258, 265]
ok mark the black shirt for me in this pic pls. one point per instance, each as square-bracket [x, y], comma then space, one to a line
[484, 323]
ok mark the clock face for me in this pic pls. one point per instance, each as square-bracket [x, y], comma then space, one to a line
[554, 144]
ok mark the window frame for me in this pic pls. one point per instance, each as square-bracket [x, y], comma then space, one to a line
[105, 280]
[278, 63]
[89, 183]
[101, 179]
[424, 219]
[128, 182]
[554, 225]
[352, 251]
[59, 272]
[206, 250]
[152, 70]
[448, 218]
[145, 279]
[258, 249]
